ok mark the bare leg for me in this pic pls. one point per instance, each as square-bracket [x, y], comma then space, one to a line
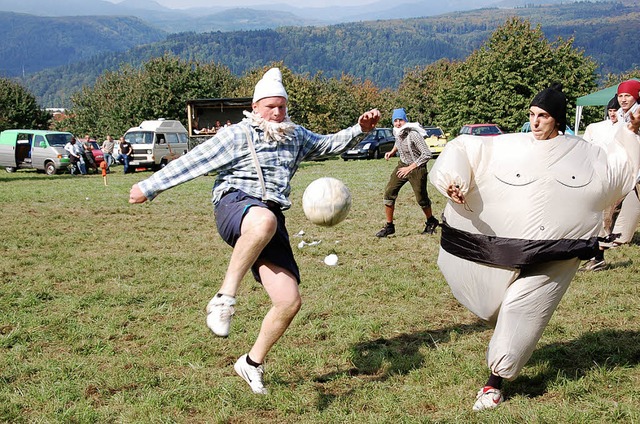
[388, 212]
[258, 227]
[427, 212]
[282, 288]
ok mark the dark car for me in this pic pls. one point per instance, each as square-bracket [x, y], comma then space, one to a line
[373, 146]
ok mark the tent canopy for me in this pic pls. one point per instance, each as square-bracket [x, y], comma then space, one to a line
[599, 98]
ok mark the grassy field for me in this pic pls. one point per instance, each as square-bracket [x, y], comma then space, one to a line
[102, 317]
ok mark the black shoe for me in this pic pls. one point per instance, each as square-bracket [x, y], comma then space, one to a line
[387, 230]
[431, 225]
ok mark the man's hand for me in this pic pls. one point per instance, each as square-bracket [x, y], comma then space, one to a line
[369, 120]
[455, 194]
[634, 124]
[135, 195]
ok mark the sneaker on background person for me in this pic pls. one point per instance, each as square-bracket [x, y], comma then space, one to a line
[220, 310]
[430, 225]
[388, 229]
[251, 374]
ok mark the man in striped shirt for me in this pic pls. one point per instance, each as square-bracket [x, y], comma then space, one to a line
[255, 161]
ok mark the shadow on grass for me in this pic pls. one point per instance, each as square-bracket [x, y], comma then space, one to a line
[382, 358]
[572, 360]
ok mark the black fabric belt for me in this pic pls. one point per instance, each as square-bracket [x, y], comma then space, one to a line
[510, 252]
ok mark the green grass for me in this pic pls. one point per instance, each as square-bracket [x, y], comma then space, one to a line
[102, 317]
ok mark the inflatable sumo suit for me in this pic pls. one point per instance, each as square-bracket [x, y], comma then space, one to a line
[533, 209]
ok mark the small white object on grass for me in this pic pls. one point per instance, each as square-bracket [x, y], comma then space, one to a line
[331, 260]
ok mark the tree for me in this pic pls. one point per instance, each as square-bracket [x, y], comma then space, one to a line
[497, 82]
[159, 89]
[19, 109]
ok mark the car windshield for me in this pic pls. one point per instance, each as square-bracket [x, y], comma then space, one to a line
[486, 130]
[59, 139]
[434, 132]
[139, 137]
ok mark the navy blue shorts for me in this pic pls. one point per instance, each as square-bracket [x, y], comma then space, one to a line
[230, 212]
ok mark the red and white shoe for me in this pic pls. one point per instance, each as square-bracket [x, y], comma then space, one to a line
[488, 397]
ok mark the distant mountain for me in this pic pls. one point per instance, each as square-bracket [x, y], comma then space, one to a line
[273, 15]
[32, 43]
[380, 51]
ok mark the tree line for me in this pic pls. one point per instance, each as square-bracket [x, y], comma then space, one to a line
[493, 84]
[379, 51]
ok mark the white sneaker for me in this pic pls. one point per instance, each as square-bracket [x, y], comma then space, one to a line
[219, 313]
[252, 375]
[488, 397]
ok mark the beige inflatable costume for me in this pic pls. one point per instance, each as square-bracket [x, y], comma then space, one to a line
[532, 207]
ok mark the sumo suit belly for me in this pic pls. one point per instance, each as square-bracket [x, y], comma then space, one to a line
[529, 190]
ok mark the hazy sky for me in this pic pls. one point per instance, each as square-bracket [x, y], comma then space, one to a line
[181, 4]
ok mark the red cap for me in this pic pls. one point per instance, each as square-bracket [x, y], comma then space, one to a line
[630, 87]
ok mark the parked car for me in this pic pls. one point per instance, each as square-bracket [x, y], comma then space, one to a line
[373, 146]
[481, 129]
[526, 127]
[436, 139]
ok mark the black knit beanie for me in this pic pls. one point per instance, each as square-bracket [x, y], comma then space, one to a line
[554, 102]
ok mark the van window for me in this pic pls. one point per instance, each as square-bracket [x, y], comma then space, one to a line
[58, 139]
[38, 140]
[172, 138]
[183, 138]
[160, 139]
[139, 137]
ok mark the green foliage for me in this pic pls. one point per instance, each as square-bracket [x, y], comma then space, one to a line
[19, 109]
[378, 51]
[497, 82]
[160, 89]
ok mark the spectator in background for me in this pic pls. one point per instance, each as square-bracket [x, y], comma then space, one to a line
[126, 152]
[87, 153]
[75, 157]
[107, 150]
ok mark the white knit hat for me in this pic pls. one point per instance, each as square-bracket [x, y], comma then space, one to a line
[270, 86]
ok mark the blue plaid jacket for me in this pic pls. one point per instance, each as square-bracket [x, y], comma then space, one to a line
[227, 154]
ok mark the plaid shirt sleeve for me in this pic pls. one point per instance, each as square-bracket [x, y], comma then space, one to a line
[213, 155]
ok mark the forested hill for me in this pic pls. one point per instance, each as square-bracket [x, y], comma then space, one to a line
[32, 43]
[379, 50]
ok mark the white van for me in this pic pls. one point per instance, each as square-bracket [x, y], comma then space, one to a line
[156, 143]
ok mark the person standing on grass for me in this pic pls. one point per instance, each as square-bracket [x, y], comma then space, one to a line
[620, 219]
[412, 167]
[107, 150]
[255, 161]
[126, 153]
[523, 210]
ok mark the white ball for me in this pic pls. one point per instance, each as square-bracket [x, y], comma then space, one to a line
[326, 201]
[331, 259]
